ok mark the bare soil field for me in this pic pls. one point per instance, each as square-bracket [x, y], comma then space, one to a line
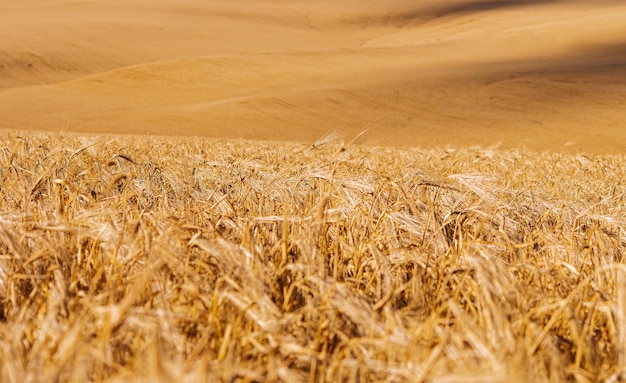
[543, 74]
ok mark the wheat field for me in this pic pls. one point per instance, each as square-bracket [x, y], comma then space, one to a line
[178, 259]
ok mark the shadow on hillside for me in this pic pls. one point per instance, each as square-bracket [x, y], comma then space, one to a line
[603, 60]
[465, 7]
[420, 15]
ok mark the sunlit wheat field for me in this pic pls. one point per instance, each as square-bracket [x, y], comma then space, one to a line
[186, 260]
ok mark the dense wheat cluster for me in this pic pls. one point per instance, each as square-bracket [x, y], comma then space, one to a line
[125, 259]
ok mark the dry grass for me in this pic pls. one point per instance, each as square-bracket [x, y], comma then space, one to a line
[136, 259]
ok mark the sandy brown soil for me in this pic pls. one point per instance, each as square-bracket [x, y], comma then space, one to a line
[547, 74]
